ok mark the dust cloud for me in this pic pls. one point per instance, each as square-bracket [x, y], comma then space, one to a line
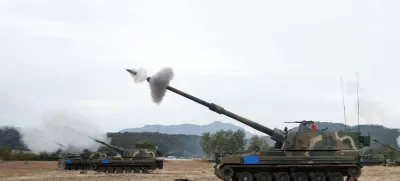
[54, 134]
[158, 82]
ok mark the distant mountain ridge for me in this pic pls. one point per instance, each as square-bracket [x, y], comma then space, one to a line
[191, 129]
[378, 132]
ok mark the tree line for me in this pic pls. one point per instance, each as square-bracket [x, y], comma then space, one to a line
[231, 142]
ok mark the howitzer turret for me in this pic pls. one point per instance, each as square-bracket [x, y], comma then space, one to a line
[307, 153]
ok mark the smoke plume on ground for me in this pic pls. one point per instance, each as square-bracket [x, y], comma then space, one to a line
[158, 82]
[54, 133]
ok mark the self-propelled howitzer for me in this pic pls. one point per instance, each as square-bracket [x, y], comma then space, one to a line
[301, 155]
[390, 162]
[134, 159]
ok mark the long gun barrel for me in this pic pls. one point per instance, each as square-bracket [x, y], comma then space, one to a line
[59, 144]
[387, 146]
[108, 145]
[276, 134]
[98, 141]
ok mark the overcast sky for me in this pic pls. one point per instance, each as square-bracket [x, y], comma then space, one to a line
[269, 61]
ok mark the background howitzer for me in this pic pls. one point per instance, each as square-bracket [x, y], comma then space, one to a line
[320, 155]
[388, 146]
[135, 159]
[390, 162]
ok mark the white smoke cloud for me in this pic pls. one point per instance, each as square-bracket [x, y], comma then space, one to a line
[141, 75]
[158, 82]
[55, 130]
[398, 139]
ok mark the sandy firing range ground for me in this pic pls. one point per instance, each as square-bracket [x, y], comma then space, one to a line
[194, 170]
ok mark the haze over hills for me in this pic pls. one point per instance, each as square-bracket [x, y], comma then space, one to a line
[192, 129]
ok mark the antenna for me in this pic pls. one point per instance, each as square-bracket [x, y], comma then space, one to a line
[344, 108]
[358, 106]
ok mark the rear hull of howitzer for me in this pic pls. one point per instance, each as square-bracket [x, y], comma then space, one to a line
[112, 165]
[286, 166]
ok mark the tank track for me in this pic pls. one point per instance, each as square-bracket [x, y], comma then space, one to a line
[111, 168]
[323, 172]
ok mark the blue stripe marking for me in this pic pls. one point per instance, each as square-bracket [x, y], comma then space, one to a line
[251, 159]
[68, 161]
[104, 161]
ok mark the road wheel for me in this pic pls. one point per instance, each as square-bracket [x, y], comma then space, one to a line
[110, 169]
[263, 176]
[136, 170]
[119, 169]
[318, 177]
[336, 177]
[245, 176]
[102, 169]
[145, 169]
[93, 167]
[128, 169]
[300, 176]
[282, 176]
[226, 173]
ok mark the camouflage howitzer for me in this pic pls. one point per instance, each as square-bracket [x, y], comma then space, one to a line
[134, 159]
[302, 155]
[68, 161]
[73, 162]
[389, 162]
[138, 159]
[79, 161]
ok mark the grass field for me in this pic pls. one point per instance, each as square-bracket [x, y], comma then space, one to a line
[193, 170]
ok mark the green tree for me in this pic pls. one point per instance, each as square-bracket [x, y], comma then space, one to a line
[257, 143]
[239, 140]
[223, 141]
[5, 154]
[205, 143]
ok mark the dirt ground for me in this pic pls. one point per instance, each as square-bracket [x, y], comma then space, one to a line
[193, 170]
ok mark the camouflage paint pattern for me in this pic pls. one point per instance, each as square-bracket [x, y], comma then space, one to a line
[140, 153]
